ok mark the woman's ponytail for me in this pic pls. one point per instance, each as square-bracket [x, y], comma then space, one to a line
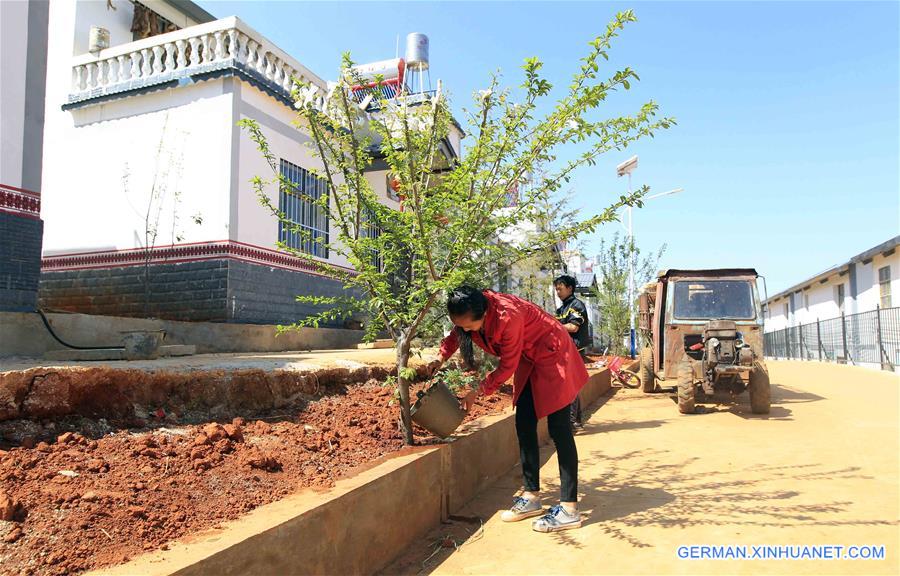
[466, 348]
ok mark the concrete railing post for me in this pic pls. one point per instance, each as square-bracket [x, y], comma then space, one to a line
[878, 332]
[844, 338]
[819, 338]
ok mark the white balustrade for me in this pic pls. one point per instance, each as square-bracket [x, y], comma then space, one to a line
[232, 43]
[101, 78]
[135, 65]
[286, 78]
[196, 49]
[276, 72]
[123, 71]
[181, 51]
[78, 78]
[170, 56]
[251, 53]
[205, 51]
[111, 76]
[261, 61]
[146, 67]
[220, 45]
[157, 60]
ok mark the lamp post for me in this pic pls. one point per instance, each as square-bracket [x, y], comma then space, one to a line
[626, 168]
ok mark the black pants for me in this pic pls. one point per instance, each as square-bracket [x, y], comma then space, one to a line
[575, 407]
[575, 416]
[560, 428]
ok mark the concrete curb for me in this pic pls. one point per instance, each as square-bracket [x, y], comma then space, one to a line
[24, 334]
[364, 522]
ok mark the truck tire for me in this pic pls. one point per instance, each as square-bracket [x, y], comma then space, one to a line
[759, 388]
[685, 389]
[648, 380]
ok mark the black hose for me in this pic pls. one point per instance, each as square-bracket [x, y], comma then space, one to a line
[72, 346]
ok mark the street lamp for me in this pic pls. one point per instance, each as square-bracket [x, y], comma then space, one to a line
[627, 167]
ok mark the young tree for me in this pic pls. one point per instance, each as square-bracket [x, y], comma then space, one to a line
[406, 261]
[612, 291]
[162, 195]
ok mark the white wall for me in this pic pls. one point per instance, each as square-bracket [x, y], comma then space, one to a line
[776, 318]
[117, 20]
[256, 225]
[185, 137]
[864, 285]
[455, 137]
[822, 305]
[823, 302]
[87, 152]
[577, 263]
[869, 292]
[378, 182]
[102, 162]
[96, 13]
[13, 40]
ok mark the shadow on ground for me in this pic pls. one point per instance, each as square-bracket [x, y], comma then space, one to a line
[645, 491]
[739, 405]
[669, 495]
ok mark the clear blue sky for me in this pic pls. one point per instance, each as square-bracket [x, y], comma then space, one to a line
[788, 136]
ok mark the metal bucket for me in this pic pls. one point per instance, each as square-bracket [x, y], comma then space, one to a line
[438, 410]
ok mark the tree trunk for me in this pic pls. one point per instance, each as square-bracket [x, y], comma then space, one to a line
[403, 346]
[147, 285]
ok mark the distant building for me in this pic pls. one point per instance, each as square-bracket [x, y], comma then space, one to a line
[576, 262]
[866, 281]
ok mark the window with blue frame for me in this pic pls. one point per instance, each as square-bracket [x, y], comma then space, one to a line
[370, 229]
[305, 224]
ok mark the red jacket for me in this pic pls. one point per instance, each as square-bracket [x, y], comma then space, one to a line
[531, 344]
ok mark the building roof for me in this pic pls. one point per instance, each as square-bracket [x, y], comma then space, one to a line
[885, 248]
[584, 282]
[585, 278]
[708, 272]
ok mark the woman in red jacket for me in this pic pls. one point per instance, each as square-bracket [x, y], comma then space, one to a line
[533, 346]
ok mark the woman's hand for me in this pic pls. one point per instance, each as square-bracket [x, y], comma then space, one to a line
[469, 400]
[433, 366]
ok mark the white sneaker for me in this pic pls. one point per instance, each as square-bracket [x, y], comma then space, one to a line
[523, 508]
[557, 519]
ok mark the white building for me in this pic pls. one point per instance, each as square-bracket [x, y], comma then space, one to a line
[23, 60]
[577, 263]
[146, 176]
[863, 283]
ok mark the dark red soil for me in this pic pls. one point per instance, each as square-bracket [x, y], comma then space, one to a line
[95, 497]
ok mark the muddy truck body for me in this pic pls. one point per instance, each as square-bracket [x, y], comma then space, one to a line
[703, 332]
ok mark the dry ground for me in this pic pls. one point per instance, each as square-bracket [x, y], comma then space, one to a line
[822, 468]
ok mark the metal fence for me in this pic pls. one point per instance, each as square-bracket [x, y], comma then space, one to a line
[866, 338]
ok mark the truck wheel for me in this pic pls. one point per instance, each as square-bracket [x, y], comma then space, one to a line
[760, 390]
[648, 381]
[685, 388]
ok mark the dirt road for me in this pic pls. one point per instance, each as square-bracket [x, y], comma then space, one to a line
[821, 469]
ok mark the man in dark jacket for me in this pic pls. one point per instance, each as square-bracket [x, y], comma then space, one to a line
[574, 318]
